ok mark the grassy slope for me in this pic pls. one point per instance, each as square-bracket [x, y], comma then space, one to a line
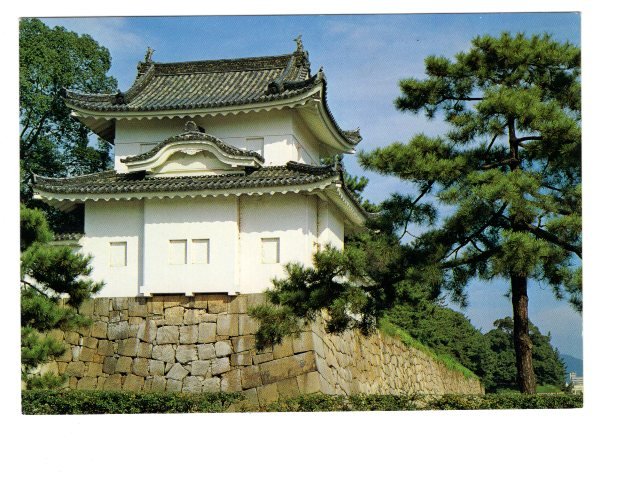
[392, 330]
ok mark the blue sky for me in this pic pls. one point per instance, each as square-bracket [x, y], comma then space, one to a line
[363, 57]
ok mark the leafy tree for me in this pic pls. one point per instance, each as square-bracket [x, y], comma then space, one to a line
[52, 143]
[509, 167]
[549, 367]
[47, 272]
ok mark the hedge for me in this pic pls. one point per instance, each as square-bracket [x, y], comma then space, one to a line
[325, 403]
[52, 402]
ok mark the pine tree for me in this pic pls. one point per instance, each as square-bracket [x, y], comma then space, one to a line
[48, 272]
[509, 167]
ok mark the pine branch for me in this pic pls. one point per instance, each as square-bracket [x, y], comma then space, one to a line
[470, 260]
[508, 161]
[534, 137]
[475, 234]
[549, 237]
[25, 282]
[423, 192]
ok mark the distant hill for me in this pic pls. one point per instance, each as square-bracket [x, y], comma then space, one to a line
[573, 364]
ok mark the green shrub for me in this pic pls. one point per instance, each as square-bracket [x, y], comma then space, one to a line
[54, 402]
[329, 403]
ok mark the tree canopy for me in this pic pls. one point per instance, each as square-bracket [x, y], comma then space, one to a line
[52, 143]
[548, 365]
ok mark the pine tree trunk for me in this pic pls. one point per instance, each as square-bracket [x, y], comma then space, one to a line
[522, 341]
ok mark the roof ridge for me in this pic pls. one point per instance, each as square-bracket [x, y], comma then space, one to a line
[207, 66]
[86, 175]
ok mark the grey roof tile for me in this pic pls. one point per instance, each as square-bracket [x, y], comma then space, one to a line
[212, 84]
[110, 182]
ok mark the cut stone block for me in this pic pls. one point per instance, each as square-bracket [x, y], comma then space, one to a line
[177, 372]
[168, 334]
[186, 353]
[220, 365]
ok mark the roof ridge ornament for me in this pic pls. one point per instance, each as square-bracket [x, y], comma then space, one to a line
[338, 167]
[190, 127]
[148, 55]
[299, 43]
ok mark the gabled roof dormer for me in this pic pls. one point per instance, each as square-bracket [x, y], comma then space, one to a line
[193, 153]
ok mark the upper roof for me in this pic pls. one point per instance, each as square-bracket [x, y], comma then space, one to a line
[208, 84]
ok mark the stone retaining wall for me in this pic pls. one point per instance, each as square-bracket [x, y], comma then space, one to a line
[206, 343]
[352, 363]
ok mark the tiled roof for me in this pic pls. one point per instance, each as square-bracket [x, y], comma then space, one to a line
[68, 236]
[212, 84]
[109, 182]
[205, 84]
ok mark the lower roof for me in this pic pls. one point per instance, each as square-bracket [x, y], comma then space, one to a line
[109, 185]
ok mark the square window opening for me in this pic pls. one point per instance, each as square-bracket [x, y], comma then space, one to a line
[118, 254]
[270, 250]
[177, 252]
[200, 251]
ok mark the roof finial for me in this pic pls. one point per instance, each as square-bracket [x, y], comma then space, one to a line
[338, 163]
[190, 126]
[299, 43]
[148, 55]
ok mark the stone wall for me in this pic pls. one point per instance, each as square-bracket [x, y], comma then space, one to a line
[352, 363]
[206, 343]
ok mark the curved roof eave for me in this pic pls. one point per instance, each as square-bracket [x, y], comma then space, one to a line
[102, 122]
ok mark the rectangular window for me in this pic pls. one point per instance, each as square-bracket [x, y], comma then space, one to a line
[270, 250]
[256, 144]
[200, 251]
[118, 254]
[177, 252]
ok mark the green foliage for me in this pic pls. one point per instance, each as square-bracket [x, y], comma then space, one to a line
[48, 272]
[389, 328]
[48, 381]
[298, 298]
[548, 365]
[449, 333]
[80, 402]
[52, 143]
[327, 403]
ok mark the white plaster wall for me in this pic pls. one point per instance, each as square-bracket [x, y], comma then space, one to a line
[191, 218]
[288, 217]
[234, 226]
[114, 221]
[309, 152]
[277, 127]
[330, 225]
